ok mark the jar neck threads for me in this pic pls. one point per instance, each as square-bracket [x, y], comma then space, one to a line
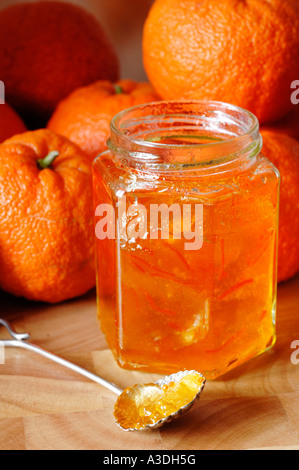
[184, 135]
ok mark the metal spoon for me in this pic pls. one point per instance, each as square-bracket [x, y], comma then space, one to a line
[130, 396]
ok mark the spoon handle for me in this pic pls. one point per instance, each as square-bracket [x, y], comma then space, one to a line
[21, 343]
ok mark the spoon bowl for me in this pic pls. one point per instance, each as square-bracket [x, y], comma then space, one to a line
[152, 405]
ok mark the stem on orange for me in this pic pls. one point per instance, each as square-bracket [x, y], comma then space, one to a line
[118, 89]
[46, 162]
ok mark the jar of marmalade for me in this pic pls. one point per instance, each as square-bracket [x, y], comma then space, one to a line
[186, 219]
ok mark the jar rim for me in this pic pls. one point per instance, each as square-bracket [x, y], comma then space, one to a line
[249, 141]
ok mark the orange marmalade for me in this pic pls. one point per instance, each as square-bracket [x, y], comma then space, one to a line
[146, 405]
[186, 217]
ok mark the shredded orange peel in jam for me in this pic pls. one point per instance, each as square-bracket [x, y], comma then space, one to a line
[143, 406]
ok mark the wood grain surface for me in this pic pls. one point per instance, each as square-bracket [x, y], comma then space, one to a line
[45, 407]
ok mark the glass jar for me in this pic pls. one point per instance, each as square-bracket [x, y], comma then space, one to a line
[186, 218]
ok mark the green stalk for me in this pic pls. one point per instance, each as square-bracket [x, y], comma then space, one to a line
[118, 89]
[46, 162]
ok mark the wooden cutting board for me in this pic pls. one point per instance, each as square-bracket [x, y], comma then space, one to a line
[44, 406]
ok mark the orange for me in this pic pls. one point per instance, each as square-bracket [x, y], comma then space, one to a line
[289, 124]
[46, 218]
[85, 115]
[240, 52]
[47, 49]
[283, 152]
[10, 122]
